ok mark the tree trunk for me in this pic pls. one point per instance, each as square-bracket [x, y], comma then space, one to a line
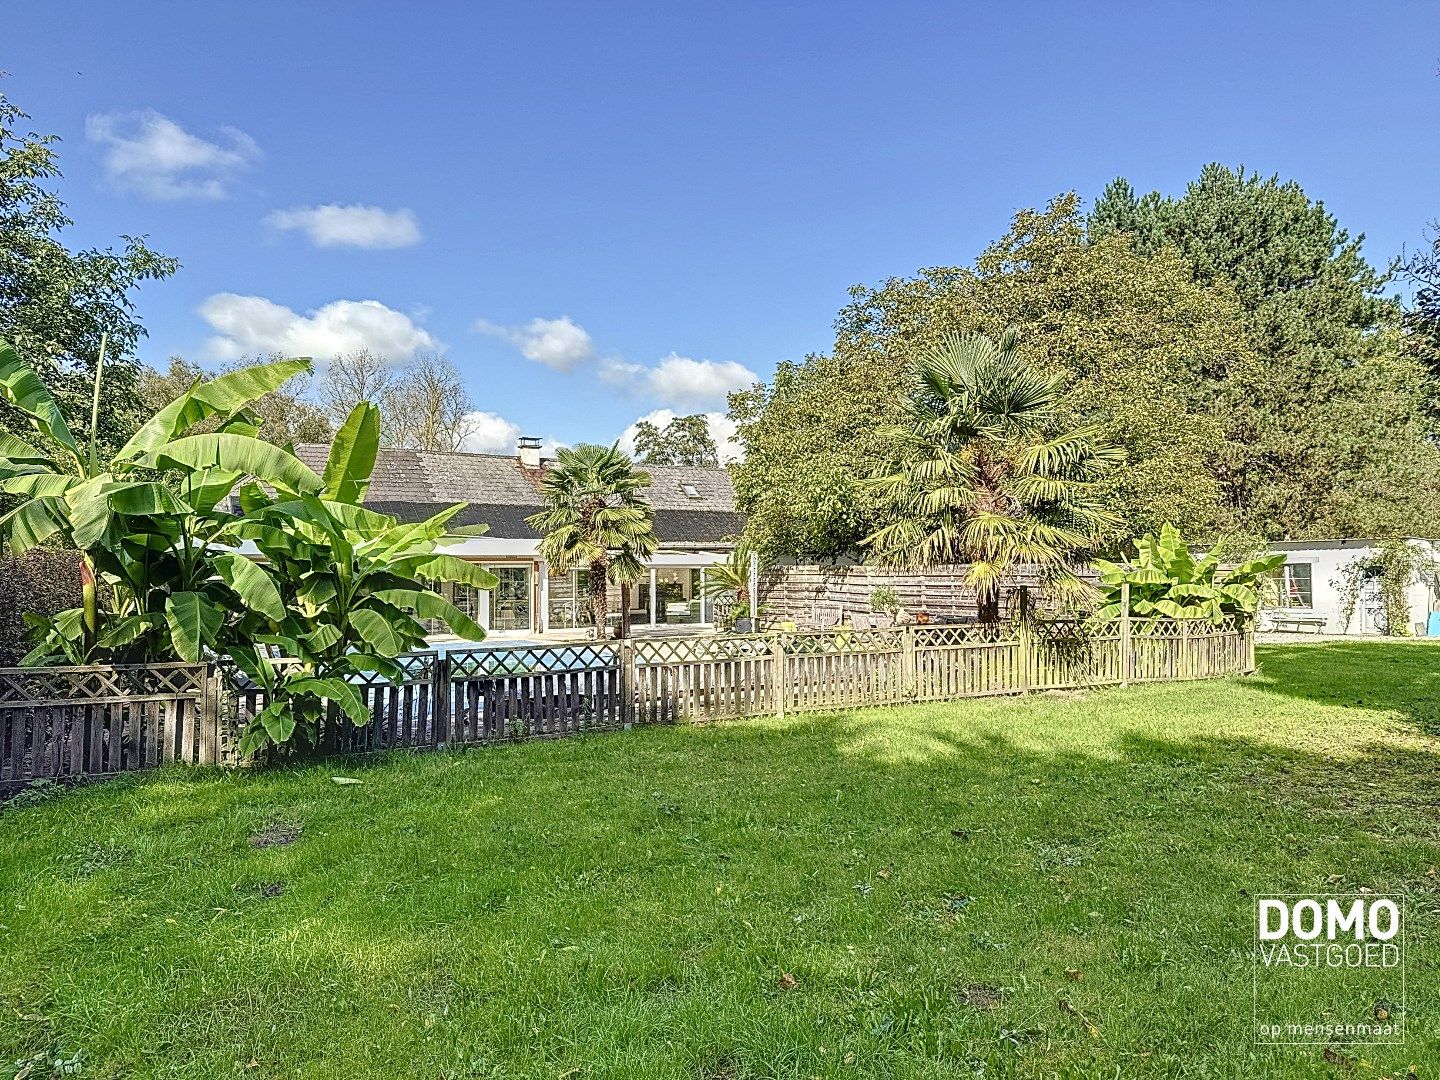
[598, 598]
[988, 606]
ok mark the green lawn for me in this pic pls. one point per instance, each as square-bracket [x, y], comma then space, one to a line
[1051, 886]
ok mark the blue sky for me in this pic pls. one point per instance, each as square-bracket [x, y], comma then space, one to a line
[655, 201]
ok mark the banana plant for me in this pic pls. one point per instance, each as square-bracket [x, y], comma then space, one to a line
[220, 545]
[340, 591]
[1167, 581]
[141, 533]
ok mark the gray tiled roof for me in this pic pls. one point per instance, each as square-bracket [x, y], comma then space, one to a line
[412, 484]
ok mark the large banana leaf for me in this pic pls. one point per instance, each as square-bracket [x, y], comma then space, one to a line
[39, 484]
[88, 510]
[193, 623]
[352, 455]
[32, 523]
[338, 691]
[147, 499]
[449, 568]
[251, 583]
[429, 605]
[21, 387]
[17, 452]
[378, 632]
[221, 396]
[236, 453]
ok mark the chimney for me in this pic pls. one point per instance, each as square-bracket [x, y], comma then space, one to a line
[530, 451]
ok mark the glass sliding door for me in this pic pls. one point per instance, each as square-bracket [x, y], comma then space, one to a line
[510, 601]
[677, 595]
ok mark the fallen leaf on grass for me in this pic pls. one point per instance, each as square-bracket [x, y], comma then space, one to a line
[345, 780]
[1070, 1010]
[1074, 974]
[1334, 1057]
[788, 981]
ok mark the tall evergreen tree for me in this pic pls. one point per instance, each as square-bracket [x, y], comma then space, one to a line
[1332, 433]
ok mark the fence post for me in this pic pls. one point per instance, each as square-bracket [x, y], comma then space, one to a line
[1027, 642]
[909, 691]
[440, 698]
[777, 676]
[1126, 646]
[1183, 666]
[210, 716]
[1248, 629]
[627, 683]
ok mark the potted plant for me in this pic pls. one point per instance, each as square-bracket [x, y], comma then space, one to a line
[883, 601]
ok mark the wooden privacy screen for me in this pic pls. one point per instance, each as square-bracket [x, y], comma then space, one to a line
[65, 722]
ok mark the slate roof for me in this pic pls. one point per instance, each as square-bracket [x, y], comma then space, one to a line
[413, 484]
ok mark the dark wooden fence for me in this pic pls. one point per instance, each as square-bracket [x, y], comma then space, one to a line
[67, 722]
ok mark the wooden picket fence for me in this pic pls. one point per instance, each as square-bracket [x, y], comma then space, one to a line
[64, 722]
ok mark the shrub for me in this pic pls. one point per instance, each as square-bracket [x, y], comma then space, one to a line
[41, 581]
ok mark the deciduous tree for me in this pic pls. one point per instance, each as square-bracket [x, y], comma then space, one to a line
[685, 440]
[56, 302]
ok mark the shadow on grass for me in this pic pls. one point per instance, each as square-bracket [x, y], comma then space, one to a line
[1402, 677]
[629, 903]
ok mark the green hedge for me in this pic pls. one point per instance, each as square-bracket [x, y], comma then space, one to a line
[44, 580]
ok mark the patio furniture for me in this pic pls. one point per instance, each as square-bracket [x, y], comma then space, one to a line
[1314, 624]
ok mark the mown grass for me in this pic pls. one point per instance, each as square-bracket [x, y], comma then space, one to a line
[907, 892]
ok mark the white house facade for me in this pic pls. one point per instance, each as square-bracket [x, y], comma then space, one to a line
[1313, 582]
[695, 522]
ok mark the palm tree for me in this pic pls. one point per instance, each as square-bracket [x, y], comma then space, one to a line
[729, 581]
[596, 516]
[983, 477]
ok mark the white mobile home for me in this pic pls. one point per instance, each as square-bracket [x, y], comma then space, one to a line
[1313, 583]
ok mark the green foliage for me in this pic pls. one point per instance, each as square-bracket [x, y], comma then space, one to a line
[596, 516]
[1135, 339]
[1422, 319]
[1394, 565]
[685, 440]
[1304, 454]
[340, 591]
[728, 584]
[883, 598]
[984, 474]
[44, 580]
[56, 303]
[1165, 580]
[285, 415]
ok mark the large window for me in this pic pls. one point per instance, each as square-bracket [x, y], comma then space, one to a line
[510, 602]
[1295, 586]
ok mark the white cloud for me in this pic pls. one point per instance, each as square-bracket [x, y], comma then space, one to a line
[149, 153]
[356, 226]
[557, 343]
[722, 430]
[490, 433]
[680, 382]
[245, 325]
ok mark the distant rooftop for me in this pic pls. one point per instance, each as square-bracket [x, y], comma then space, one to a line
[693, 504]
